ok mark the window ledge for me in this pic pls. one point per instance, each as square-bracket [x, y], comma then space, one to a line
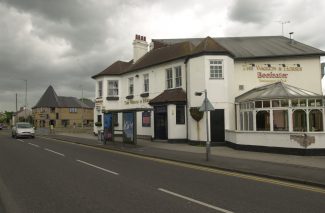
[112, 98]
[216, 78]
[129, 97]
[144, 95]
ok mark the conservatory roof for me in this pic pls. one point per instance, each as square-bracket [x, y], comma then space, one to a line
[278, 90]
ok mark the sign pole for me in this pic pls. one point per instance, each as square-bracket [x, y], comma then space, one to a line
[207, 126]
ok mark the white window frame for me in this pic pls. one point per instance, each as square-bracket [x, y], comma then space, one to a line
[73, 110]
[169, 78]
[112, 90]
[100, 89]
[146, 83]
[178, 76]
[131, 86]
[216, 69]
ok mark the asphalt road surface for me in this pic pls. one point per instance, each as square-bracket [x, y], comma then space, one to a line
[44, 175]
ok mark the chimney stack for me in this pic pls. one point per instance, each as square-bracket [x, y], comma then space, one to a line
[140, 47]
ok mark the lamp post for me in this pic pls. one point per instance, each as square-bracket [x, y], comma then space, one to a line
[207, 145]
[25, 99]
[82, 107]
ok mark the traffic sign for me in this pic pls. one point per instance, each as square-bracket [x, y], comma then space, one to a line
[206, 106]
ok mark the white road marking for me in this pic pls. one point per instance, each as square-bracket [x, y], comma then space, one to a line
[195, 201]
[58, 153]
[33, 144]
[97, 167]
[20, 140]
[203, 168]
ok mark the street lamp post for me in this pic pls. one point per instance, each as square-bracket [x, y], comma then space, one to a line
[207, 145]
[25, 99]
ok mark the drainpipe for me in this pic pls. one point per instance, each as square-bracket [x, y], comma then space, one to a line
[186, 100]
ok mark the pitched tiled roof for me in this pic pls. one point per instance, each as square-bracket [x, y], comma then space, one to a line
[88, 103]
[256, 46]
[117, 68]
[163, 54]
[50, 99]
[177, 95]
[276, 90]
[237, 47]
[209, 45]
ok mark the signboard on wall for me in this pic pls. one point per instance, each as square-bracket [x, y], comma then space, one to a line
[272, 72]
[146, 119]
[129, 127]
[108, 127]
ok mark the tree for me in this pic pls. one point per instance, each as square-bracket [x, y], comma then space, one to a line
[6, 117]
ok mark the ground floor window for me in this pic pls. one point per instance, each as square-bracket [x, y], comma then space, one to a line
[247, 121]
[299, 119]
[315, 120]
[180, 114]
[263, 121]
[65, 123]
[99, 118]
[280, 120]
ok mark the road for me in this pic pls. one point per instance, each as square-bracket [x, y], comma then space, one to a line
[44, 175]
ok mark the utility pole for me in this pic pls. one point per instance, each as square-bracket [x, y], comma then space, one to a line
[206, 107]
[207, 125]
[25, 99]
[82, 107]
[16, 102]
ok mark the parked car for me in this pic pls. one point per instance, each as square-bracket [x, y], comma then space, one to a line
[1, 126]
[23, 129]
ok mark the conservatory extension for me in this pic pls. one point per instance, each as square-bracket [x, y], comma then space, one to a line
[279, 107]
[280, 118]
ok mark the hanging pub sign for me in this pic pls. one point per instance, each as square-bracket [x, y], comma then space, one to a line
[146, 120]
[128, 127]
[108, 127]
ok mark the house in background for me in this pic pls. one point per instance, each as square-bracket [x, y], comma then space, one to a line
[62, 111]
[23, 114]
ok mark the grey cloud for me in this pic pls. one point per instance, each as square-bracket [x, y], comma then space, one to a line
[64, 43]
[251, 11]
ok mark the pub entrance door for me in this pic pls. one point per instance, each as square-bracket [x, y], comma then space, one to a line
[161, 123]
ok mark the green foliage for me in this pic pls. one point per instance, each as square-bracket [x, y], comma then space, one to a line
[196, 114]
[6, 117]
[98, 124]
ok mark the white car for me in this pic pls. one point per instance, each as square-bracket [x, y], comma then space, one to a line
[23, 129]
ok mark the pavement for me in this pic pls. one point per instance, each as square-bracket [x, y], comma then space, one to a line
[308, 170]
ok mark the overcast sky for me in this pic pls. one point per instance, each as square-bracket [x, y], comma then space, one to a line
[64, 42]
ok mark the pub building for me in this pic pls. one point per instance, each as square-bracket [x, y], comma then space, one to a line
[265, 91]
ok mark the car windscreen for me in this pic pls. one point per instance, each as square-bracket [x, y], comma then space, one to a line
[24, 126]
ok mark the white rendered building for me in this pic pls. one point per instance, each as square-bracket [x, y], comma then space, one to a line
[266, 92]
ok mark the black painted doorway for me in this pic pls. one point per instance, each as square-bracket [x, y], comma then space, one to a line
[217, 125]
